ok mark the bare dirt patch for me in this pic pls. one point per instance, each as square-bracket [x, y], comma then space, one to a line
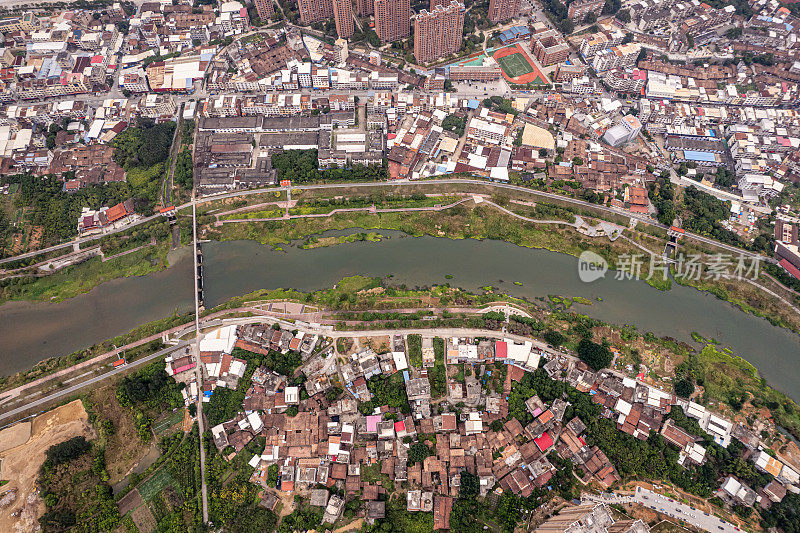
[14, 436]
[21, 464]
[379, 344]
[144, 519]
[129, 502]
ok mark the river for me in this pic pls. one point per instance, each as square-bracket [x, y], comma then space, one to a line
[34, 331]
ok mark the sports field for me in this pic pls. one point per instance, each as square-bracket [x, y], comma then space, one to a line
[515, 65]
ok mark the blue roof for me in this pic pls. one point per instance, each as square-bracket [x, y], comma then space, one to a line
[473, 103]
[506, 35]
[693, 155]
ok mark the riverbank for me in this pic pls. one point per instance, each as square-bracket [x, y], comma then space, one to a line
[721, 380]
[83, 277]
[469, 221]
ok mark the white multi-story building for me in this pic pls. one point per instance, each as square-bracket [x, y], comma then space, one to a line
[621, 56]
[486, 131]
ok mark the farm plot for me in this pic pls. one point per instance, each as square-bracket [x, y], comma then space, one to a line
[163, 425]
[157, 482]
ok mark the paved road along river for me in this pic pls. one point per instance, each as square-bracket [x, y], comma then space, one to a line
[34, 331]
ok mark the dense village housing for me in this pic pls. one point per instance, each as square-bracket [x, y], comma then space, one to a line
[131, 130]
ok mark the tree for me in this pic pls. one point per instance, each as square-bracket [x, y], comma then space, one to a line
[597, 356]
[733, 33]
[470, 486]
[419, 452]
[684, 387]
[542, 152]
[624, 15]
[554, 338]
[67, 450]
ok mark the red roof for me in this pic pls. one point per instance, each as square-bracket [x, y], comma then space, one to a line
[790, 268]
[543, 442]
[399, 426]
[675, 228]
[117, 212]
[183, 368]
[500, 350]
[119, 362]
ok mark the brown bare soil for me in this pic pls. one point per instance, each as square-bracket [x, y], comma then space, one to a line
[14, 436]
[35, 238]
[21, 464]
[129, 502]
[379, 344]
[144, 519]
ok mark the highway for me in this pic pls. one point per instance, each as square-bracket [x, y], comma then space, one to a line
[672, 508]
[63, 393]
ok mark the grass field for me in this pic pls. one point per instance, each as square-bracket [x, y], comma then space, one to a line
[150, 488]
[515, 65]
[163, 425]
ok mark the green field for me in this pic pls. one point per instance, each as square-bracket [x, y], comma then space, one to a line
[162, 425]
[515, 65]
[150, 488]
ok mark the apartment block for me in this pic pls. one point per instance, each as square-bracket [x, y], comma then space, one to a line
[343, 16]
[580, 8]
[365, 8]
[265, 9]
[315, 10]
[621, 56]
[549, 48]
[501, 10]
[392, 19]
[438, 33]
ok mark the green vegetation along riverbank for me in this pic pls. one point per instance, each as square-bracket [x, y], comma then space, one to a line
[486, 222]
[83, 277]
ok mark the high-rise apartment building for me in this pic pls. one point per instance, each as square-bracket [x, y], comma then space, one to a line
[500, 10]
[578, 9]
[265, 9]
[343, 16]
[315, 10]
[438, 33]
[392, 19]
[365, 8]
[435, 3]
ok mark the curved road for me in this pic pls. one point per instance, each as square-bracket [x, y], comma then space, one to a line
[401, 183]
[507, 186]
